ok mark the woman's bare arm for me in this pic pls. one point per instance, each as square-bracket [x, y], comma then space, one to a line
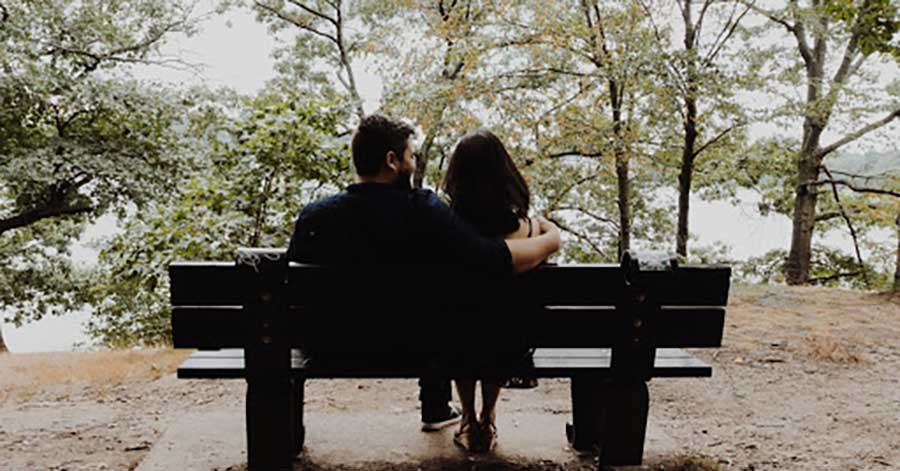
[529, 253]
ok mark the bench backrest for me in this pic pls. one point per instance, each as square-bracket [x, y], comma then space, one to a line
[262, 300]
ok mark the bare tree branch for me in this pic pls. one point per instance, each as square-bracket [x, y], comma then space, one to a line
[698, 29]
[314, 12]
[295, 21]
[717, 138]
[718, 44]
[858, 189]
[29, 217]
[577, 234]
[611, 222]
[885, 176]
[837, 199]
[119, 54]
[769, 14]
[857, 134]
[673, 71]
[574, 153]
[824, 279]
[827, 216]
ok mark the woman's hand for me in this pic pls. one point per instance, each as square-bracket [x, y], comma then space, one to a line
[550, 229]
[529, 253]
[544, 225]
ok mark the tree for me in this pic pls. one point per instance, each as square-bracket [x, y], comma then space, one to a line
[325, 34]
[703, 76]
[836, 87]
[258, 161]
[581, 90]
[78, 136]
[432, 78]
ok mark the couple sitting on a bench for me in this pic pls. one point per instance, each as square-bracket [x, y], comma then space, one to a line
[383, 220]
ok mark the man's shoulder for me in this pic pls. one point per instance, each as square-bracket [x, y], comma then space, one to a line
[425, 198]
[328, 203]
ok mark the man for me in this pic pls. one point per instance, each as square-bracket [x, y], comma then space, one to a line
[382, 220]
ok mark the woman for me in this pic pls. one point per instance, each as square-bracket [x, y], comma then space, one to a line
[487, 190]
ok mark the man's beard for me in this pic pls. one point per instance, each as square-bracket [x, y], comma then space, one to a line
[403, 181]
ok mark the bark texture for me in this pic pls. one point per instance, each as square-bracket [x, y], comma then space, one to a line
[897, 266]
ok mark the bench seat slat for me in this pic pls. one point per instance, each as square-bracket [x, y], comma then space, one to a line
[548, 363]
[541, 352]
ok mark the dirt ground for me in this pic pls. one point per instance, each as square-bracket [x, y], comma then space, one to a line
[807, 380]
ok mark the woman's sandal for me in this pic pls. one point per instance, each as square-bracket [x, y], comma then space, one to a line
[467, 437]
[488, 435]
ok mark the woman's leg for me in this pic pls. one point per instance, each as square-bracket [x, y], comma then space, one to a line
[466, 437]
[465, 388]
[490, 392]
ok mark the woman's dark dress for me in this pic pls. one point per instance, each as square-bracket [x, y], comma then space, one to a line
[498, 225]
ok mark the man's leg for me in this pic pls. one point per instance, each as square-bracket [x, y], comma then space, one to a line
[435, 395]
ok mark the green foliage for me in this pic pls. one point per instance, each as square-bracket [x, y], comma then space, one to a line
[877, 20]
[78, 135]
[265, 157]
[830, 267]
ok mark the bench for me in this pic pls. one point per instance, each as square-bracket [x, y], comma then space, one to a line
[609, 328]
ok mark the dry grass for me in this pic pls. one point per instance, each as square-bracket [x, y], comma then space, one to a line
[24, 374]
[815, 323]
[826, 348]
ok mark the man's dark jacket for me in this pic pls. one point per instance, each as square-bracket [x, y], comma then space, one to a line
[378, 224]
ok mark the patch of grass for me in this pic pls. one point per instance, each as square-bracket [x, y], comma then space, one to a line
[24, 374]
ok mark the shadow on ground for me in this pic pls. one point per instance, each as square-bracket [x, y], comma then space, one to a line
[489, 463]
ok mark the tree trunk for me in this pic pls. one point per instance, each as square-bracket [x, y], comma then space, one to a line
[690, 137]
[422, 158]
[804, 219]
[3, 348]
[896, 267]
[623, 203]
[684, 203]
[685, 177]
[814, 122]
[617, 94]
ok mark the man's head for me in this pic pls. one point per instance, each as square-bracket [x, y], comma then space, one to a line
[382, 152]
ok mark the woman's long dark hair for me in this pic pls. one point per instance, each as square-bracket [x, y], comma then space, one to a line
[484, 185]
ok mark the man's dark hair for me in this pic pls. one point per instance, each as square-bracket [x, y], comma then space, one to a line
[374, 137]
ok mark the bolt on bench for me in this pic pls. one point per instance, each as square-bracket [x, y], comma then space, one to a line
[609, 328]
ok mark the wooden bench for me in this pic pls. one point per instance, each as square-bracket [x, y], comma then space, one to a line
[609, 328]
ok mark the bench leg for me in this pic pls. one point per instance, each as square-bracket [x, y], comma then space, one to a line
[583, 433]
[610, 418]
[297, 387]
[270, 435]
[625, 424]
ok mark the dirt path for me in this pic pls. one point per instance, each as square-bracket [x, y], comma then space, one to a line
[807, 380]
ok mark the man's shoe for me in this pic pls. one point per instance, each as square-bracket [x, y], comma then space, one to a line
[433, 424]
